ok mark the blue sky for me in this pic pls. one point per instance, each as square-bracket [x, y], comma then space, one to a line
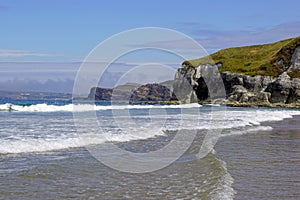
[61, 33]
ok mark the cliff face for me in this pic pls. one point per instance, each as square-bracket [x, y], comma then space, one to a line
[241, 88]
[150, 93]
[98, 93]
[134, 93]
[121, 92]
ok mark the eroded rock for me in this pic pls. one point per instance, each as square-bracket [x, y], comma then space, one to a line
[239, 88]
[280, 89]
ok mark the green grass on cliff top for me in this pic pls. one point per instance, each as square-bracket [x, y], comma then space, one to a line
[253, 60]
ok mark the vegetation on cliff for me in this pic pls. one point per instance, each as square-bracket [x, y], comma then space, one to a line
[268, 59]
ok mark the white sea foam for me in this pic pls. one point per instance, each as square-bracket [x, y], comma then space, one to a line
[224, 189]
[247, 130]
[39, 145]
[34, 145]
[36, 108]
[84, 107]
[20, 135]
[215, 105]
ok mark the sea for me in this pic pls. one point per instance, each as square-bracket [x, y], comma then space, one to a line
[44, 154]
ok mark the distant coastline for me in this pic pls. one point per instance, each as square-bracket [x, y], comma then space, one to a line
[12, 95]
[253, 76]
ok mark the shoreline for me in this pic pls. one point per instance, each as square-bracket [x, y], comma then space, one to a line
[220, 102]
[227, 103]
[264, 105]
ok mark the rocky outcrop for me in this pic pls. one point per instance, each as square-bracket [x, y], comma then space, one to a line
[280, 89]
[295, 62]
[191, 84]
[98, 93]
[150, 93]
[202, 83]
[121, 92]
[243, 88]
[261, 75]
[136, 94]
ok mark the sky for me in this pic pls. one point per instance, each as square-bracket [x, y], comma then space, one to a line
[43, 42]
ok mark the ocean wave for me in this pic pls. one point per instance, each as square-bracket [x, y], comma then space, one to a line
[84, 107]
[40, 145]
[223, 189]
[246, 130]
[23, 131]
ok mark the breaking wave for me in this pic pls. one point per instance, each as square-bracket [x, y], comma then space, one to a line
[83, 107]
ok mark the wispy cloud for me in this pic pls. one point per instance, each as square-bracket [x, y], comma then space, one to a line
[216, 38]
[31, 85]
[22, 53]
[212, 38]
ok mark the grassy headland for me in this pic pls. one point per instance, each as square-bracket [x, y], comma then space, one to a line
[267, 59]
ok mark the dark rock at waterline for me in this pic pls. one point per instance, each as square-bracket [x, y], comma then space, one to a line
[98, 93]
[191, 85]
[151, 92]
[134, 93]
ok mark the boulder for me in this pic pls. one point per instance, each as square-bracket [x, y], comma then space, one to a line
[280, 89]
[294, 96]
[237, 92]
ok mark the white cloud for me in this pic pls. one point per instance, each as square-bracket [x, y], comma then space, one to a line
[21, 53]
[214, 38]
